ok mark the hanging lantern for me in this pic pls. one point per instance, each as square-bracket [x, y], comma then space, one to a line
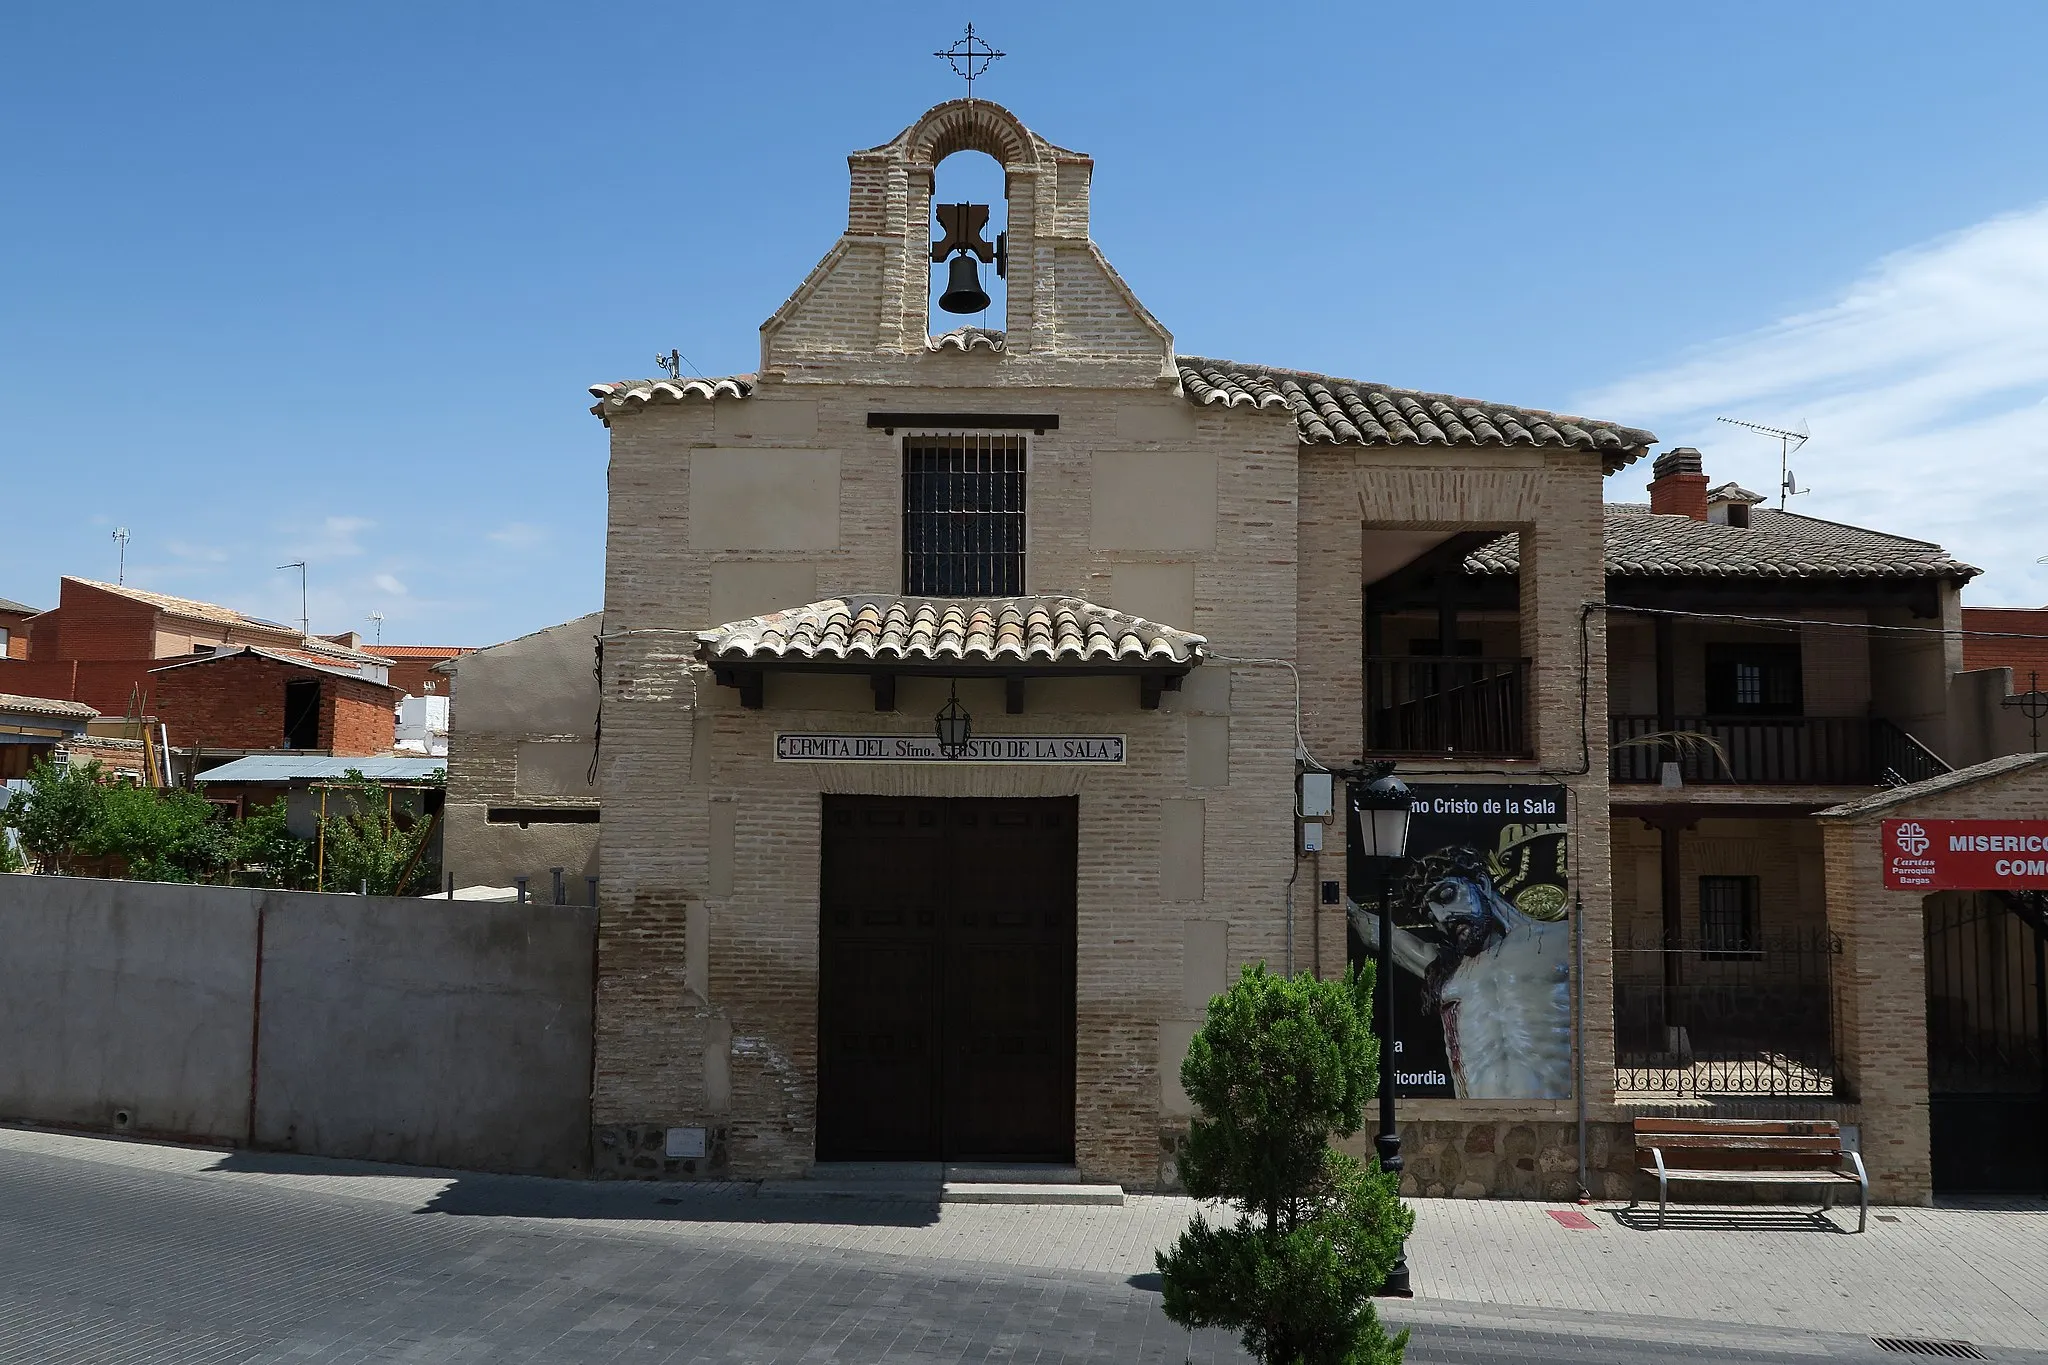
[954, 725]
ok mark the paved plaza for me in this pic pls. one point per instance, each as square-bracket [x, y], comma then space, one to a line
[136, 1252]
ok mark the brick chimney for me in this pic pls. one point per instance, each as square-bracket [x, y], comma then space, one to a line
[1680, 488]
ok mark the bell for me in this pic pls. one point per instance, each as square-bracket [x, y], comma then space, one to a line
[963, 287]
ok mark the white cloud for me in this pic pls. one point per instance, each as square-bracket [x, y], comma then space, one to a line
[1925, 385]
[389, 583]
[330, 538]
[519, 535]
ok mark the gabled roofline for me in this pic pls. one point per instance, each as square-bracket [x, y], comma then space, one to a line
[1992, 770]
[274, 656]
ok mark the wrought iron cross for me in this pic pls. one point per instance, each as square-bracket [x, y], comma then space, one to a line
[2033, 704]
[970, 57]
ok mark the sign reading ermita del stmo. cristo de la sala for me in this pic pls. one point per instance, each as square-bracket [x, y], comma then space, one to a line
[791, 748]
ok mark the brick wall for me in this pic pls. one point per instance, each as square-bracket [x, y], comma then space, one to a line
[2021, 655]
[415, 676]
[1882, 977]
[95, 625]
[16, 625]
[104, 686]
[238, 703]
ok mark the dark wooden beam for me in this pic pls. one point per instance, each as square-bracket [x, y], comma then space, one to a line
[1922, 597]
[1150, 685]
[885, 690]
[1013, 695]
[752, 686]
[1039, 422]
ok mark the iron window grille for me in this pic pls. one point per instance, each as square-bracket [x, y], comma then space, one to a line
[1728, 915]
[963, 516]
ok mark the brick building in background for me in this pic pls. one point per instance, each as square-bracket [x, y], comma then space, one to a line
[2007, 637]
[14, 618]
[110, 646]
[256, 699]
[412, 667]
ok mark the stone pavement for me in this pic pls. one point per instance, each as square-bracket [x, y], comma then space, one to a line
[127, 1251]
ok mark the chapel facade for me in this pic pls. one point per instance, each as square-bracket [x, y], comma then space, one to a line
[1142, 578]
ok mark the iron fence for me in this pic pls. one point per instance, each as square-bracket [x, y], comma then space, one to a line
[1749, 1017]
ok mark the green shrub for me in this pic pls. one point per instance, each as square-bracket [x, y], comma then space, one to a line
[1281, 1065]
[371, 842]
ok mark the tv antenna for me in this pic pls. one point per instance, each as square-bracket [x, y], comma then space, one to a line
[305, 622]
[1788, 441]
[121, 564]
[376, 618]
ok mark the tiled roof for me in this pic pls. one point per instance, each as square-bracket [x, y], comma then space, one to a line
[639, 393]
[290, 658]
[1986, 771]
[1048, 631]
[1331, 411]
[1734, 492]
[967, 339]
[19, 705]
[190, 608]
[212, 613]
[18, 608]
[1643, 544]
[419, 651]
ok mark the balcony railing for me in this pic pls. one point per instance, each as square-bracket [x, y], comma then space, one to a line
[1455, 707]
[1818, 751]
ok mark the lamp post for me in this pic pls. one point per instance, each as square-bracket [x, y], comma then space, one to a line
[1383, 808]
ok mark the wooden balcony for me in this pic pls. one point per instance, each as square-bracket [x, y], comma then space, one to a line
[1447, 707]
[1786, 751]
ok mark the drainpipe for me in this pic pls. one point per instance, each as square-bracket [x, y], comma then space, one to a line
[1579, 1036]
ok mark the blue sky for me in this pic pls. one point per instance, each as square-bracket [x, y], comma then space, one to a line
[288, 281]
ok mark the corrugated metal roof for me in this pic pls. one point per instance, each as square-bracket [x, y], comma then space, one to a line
[315, 768]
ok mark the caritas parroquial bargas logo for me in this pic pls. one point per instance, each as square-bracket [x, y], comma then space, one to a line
[1911, 838]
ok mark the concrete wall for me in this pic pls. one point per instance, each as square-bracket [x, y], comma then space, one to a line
[127, 997]
[442, 1034]
[1980, 725]
[398, 1030]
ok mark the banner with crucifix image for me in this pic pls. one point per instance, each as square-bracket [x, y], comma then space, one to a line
[1482, 941]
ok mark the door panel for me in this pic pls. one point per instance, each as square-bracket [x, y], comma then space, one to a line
[946, 991]
[878, 986]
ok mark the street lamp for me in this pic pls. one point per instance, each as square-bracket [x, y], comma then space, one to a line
[1383, 809]
[953, 725]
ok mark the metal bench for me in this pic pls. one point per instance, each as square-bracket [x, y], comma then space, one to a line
[1751, 1152]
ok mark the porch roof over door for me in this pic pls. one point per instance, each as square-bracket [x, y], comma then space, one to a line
[954, 635]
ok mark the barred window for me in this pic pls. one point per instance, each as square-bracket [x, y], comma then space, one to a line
[963, 516]
[1728, 913]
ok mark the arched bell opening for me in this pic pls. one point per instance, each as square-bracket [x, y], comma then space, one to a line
[969, 241]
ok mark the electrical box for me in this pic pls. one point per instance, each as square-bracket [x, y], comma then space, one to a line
[1312, 837]
[1315, 795]
[684, 1142]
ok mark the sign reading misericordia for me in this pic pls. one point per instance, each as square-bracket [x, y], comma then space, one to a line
[826, 748]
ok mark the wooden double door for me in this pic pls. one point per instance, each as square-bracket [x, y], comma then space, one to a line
[946, 980]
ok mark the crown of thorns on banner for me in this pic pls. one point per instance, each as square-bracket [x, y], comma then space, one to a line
[1528, 868]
